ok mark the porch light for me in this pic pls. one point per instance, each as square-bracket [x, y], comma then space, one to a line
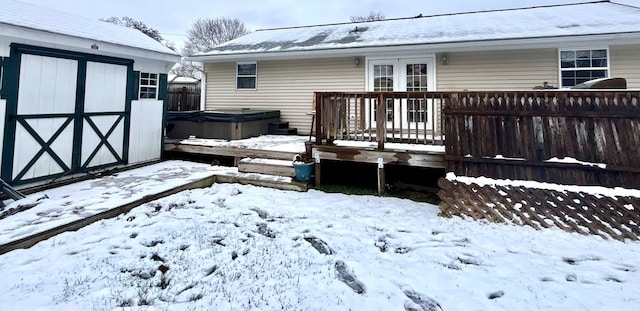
[357, 61]
[444, 59]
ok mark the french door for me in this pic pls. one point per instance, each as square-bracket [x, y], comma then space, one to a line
[403, 75]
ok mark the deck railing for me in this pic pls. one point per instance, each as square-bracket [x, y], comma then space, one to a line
[399, 117]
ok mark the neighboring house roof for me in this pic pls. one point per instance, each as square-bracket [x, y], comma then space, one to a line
[183, 80]
[463, 29]
[44, 19]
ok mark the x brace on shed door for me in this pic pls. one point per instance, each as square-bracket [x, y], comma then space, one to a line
[67, 112]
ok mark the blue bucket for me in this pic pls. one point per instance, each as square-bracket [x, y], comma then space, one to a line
[303, 171]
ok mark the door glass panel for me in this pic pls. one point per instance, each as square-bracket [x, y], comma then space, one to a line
[383, 82]
[383, 78]
[417, 82]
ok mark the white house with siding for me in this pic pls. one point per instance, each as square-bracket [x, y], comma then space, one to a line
[510, 49]
[76, 94]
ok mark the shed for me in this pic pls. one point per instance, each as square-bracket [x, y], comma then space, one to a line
[77, 94]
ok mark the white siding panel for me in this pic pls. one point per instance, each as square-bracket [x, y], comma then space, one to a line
[5, 48]
[45, 166]
[285, 85]
[47, 85]
[625, 63]
[46, 127]
[104, 156]
[106, 87]
[498, 70]
[62, 146]
[145, 133]
[28, 147]
[24, 151]
[91, 140]
[116, 140]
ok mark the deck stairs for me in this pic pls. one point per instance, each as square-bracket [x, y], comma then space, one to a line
[281, 128]
[272, 172]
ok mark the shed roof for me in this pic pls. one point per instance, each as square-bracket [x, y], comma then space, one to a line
[581, 19]
[31, 16]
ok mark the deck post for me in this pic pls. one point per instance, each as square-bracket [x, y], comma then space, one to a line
[381, 178]
[317, 168]
[381, 115]
[317, 105]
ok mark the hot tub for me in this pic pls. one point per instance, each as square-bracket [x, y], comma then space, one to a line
[227, 124]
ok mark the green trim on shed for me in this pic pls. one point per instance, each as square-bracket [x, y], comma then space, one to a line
[135, 85]
[10, 94]
[76, 158]
[163, 88]
[10, 88]
[1, 76]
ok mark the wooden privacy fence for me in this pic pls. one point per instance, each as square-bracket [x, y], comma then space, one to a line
[565, 137]
[406, 117]
[183, 99]
[560, 137]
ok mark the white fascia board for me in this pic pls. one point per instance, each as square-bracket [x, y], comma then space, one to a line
[63, 42]
[466, 46]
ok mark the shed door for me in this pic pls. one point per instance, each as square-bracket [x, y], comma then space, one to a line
[45, 117]
[70, 117]
[104, 110]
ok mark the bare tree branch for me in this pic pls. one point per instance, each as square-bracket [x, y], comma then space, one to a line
[373, 16]
[206, 33]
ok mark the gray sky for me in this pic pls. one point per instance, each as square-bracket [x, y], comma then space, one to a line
[173, 17]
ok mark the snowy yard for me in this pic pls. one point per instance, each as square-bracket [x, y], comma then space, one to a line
[232, 247]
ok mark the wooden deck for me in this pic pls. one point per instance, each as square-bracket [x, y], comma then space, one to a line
[184, 146]
[431, 159]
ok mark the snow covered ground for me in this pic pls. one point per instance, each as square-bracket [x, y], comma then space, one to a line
[63, 205]
[233, 247]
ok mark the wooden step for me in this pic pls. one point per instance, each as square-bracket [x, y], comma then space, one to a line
[267, 166]
[275, 126]
[260, 180]
[286, 131]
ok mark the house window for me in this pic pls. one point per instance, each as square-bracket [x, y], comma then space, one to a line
[578, 66]
[148, 85]
[246, 76]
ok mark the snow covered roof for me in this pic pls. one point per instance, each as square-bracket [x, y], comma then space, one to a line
[568, 20]
[31, 16]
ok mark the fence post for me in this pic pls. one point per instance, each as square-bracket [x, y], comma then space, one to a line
[319, 103]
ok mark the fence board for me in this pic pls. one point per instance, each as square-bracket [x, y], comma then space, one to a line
[183, 99]
[597, 127]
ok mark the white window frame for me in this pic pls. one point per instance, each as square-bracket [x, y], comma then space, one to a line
[147, 84]
[255, 76]
[591, 48]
